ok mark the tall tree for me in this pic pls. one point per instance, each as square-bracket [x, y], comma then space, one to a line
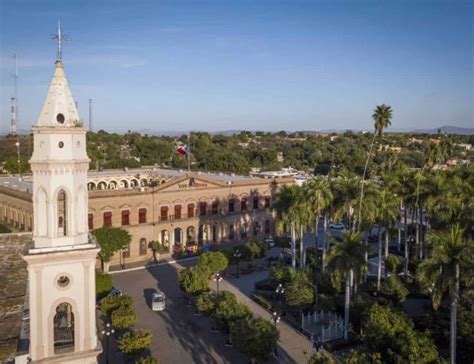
[452, 259]
[382, 117]
[319, 196]
[111, 240]
[346, 258]
[287, 213]
[386, 215]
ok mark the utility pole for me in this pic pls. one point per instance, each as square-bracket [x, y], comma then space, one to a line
[90, 115]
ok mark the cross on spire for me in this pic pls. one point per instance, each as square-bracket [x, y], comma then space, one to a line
[60, 37]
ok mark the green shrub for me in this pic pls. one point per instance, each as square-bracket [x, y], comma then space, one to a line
[321, 357]
[393, 264]
[135, 342]
[394, 289]
[103, 284]
[253, 250]
[124, 317]
[194, 280]
[300, 291]
[227, 310]
[282, 274]
[215, 261]
[391, 334]
[206, 302]
[110, 303]
[262, 301]
[254, 337]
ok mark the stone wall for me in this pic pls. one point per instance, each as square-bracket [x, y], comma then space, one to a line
[13, 283]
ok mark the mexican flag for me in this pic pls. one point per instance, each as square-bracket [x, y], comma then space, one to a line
[183, 149]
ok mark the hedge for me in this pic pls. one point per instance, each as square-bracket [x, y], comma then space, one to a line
[103, 284]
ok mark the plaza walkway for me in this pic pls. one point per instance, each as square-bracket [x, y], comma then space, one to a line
[292, 344]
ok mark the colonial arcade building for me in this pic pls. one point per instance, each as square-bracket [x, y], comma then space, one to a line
[181, 210]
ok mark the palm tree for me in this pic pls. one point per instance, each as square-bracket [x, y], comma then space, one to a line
[304, 218]
[386, 214]
[346, 194]
[345, 259]
[319, 196]
[287, 212]
[382, 119]
[452, 257]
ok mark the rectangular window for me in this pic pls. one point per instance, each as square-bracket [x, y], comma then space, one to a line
[255, 203]
[164, 213]
[191, 210]
[202, 208]
[108, 218]
[177, 212]
[125, 217]
[142, 216]
[215, 207]
[90, 221]
[231, 232]
[243, 204]
[267, 201]
[231, 205]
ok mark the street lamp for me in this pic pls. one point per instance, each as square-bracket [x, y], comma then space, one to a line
[217, 279]
[276, 319]
[124, 250]
[280, 290]
[237, 255]
[18, 157]
[108, 329]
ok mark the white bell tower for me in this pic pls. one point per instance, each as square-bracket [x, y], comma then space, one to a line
[61, 266]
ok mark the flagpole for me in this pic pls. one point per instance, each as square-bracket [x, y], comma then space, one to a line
[189, 152]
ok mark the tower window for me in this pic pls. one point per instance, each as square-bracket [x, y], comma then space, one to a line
[61, 144]
[62, 213]
[63, 281]
[60, 118]
[63, 328]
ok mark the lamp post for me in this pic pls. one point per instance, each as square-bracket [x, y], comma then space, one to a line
[276, 319]
[18, 157]
[124, 250]
[280, 290]
[237, 255]
[217, 279]
[108, 329]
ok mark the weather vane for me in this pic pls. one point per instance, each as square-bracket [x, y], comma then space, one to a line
[60, 37]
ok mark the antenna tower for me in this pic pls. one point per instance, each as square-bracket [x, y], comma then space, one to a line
[14, 101]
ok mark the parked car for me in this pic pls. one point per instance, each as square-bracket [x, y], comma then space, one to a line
[336, 226]
[158, 301]
[115, 292]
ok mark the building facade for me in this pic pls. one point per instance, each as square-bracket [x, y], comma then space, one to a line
[181, 210]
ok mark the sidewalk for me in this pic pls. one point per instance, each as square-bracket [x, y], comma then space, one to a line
[291, 341]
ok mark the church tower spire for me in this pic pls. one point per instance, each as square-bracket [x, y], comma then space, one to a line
[61, 265]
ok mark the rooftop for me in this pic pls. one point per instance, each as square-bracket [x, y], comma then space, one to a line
[25, 184]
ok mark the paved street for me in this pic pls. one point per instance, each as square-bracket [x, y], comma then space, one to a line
[179, 336]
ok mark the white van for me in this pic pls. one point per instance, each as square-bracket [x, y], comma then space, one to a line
[158, 301]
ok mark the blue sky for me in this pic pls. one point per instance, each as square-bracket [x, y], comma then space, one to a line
[258, 65]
